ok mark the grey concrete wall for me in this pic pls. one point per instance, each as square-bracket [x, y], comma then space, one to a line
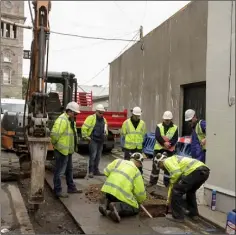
[174, 54]
[13, 12]
[220, 116]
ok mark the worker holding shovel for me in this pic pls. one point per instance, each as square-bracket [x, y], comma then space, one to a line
[186, 177]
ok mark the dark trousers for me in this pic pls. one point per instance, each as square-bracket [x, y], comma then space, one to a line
[156, 171]
[123, 208]
[188, 185]
[95, 152]
[63, 167]
[129, 152]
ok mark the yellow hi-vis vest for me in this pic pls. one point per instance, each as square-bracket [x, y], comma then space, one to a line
[170, 133]
[200, 134]
[62, 135]
[125, 182]
[89, 124]
[133, 137]
[177, 166]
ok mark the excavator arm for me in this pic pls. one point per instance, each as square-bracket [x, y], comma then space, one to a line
[37, 133]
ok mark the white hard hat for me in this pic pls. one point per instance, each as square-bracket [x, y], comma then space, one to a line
[137, 111]
[137, 157]
[73, 106]
[100, 107]
[167, 115]
[189, 114]
[159, 158]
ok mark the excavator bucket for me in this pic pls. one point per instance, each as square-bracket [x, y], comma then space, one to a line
[38, 150]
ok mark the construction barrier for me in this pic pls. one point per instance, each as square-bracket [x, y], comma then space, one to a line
[148, 143]
[183, 146]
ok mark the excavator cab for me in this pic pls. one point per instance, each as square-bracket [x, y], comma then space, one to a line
[55, 106]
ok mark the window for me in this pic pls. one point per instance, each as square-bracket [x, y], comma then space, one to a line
[7, 76]
[14, 33]
[2, 29]
[8, 31]
[7, 57]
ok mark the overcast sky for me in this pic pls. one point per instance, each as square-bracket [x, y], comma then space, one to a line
[110, 19]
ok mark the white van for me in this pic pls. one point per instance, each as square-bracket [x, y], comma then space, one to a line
[12, 105]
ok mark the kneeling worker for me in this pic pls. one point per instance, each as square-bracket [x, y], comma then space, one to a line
[124, 188]
[186, 177]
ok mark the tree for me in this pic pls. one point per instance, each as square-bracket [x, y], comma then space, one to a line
[24, 86]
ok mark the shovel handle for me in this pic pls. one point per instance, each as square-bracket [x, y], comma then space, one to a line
[145, 210]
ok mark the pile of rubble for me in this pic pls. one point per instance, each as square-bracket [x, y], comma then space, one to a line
[93, 194]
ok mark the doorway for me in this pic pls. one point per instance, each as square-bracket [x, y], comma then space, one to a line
[194, 98]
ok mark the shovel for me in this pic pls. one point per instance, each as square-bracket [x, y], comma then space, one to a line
[145, 210]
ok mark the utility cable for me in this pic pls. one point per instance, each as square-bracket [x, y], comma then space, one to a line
[145, 11]
[123, 12]
[89, 37]
[90, 45]
[31, 13]
[108, 63]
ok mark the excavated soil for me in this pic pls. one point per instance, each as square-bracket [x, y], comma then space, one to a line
[52, 217]
[155, 204]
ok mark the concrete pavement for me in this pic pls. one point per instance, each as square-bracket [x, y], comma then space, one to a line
[86, 214]
[216, 217]
[14, 216]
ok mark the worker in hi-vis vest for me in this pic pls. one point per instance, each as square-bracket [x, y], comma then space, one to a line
[64, 139]
[123, 189]
[166, 135]
[198, 143]
[186, 176]
[95, 130]
[133, 132]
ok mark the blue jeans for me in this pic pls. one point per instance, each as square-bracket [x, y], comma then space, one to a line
[63, 167]
[95, 152]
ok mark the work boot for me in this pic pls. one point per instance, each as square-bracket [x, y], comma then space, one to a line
[102, 210]
[75, 190]
[62, 195]
[170, 217]
[99, 174]
[114, 215]
[90, 175]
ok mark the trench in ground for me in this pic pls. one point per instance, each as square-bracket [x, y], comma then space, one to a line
[52, 217]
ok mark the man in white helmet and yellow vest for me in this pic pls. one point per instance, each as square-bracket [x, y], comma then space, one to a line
[133, 132]
[124, 188]
[198, 142]
[64, 139]
[186, 177]
[166, 135]
[95, 130]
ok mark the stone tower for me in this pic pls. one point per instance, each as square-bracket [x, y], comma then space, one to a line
[12, 49]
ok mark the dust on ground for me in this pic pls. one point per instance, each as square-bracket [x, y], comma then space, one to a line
[51, 217]
[155, 204]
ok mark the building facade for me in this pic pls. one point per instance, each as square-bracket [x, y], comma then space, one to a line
[220, 103]
[187, 62]
[12, 49]
[156, 76]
